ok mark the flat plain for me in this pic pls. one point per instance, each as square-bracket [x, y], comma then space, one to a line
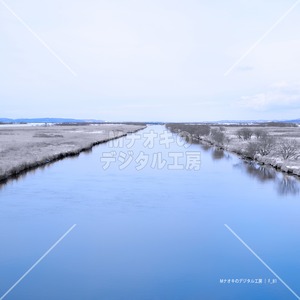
[26, 147]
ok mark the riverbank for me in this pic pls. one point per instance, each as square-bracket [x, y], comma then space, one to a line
[231, 142]
[23, 148]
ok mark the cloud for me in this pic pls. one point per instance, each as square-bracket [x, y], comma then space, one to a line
[281, 95]
[148, 60]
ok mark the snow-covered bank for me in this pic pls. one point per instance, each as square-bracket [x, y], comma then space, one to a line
[23, 147]
[235, 145]
[230, 140]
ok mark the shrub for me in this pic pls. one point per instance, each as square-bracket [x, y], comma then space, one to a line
[252, 149]
[203, 130]
[278, 124]
[259, 133]
[244, 133]
[197, 130]
[186, 136]
[227, 140]
[217, 136]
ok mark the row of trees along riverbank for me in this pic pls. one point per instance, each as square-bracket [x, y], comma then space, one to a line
[276, 144]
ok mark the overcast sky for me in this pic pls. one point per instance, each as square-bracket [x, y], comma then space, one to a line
[158, 60]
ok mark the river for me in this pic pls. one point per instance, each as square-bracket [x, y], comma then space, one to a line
[224, 229]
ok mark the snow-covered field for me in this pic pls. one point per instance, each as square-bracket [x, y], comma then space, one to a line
[24, 147]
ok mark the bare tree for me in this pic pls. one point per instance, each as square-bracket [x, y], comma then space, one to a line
[196, 131]
[266, 146]
[218, 136]
[244, 133]
[202, 130]
[263, 147]
[289, 149]
[260, 133]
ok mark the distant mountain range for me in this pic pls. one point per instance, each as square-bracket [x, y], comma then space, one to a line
[297, 121]
[64, 120]
[293, 121]
[49, 120]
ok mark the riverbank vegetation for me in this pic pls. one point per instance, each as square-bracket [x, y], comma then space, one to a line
[26, 147]
[277, 145]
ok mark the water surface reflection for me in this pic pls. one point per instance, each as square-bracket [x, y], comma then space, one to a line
[150, 234]
[285, 184]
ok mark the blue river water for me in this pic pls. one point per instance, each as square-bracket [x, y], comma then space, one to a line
[154, 233]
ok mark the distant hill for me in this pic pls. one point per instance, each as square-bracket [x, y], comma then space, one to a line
[296, 121]
[293, 121]
[65, 120]
[239, 121]
[49, 120]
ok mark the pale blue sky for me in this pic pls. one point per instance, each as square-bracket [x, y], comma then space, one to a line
[150, 60]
